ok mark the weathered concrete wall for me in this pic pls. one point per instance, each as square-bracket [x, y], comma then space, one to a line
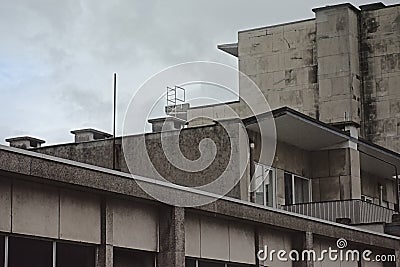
[331, 175]
[147, 157]
[45, 211]
[292, 159]
[380, 55]
[97, 153]
[276, 241]
[335, 174]
[321, 244]
[281, 60]
[5, 205]
[211, 238]
[134, 225]
[78, 208]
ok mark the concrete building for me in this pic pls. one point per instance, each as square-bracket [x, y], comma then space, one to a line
[340, 67]
[334, 172]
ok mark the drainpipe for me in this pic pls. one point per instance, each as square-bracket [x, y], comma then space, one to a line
[380, 195]
[397, 189]
[252, 193]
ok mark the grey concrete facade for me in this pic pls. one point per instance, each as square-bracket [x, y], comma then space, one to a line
[340, 67]
[226, 231]
[335, 170]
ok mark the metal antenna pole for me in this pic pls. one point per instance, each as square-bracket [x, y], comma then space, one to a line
[114, 119]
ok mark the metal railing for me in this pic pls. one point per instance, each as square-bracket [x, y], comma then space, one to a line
[357, 210]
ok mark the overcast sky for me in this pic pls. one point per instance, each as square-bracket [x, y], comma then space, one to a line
[57, 57]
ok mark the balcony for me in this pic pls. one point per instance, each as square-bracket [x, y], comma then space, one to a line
[357, 211]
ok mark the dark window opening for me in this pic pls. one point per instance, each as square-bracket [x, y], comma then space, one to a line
[2, 247]
[288, 189]
[25, 252]
[72, 255]
[190, 263]
[133, 258]
[203, 263]
[238, 265]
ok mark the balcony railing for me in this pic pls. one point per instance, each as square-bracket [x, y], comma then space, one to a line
[357, 210]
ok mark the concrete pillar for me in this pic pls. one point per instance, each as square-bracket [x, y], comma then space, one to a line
[172, 237]
[303, 241]
[397, 253]
[309, 245]
[105, 252]
[355, 174]
[259, 246]
[339, 78]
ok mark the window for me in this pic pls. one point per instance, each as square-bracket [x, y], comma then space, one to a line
[203, 263]
[25, 252]
[2, 250]
[136, 258]
[264, 185]
[297, 189]
[71, 255]
[190, 263]
[207, 263]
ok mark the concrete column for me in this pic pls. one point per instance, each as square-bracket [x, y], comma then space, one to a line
[259, 246]
[172, 237]
[338, 64]
[309, 245]
[397, 253]
[105, 252]
[355, 174]
[303, 241]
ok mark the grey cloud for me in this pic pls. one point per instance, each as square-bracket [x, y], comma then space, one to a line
[57, 57]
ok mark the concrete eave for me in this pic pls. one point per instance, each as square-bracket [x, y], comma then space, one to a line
[231, 49]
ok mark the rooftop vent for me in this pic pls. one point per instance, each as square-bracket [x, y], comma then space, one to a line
[85, 135]
[25, 142]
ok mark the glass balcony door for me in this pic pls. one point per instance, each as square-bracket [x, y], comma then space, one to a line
[265, 185]
[297, 189]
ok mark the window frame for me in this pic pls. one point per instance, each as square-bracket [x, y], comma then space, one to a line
[292, 178]
[272, 175]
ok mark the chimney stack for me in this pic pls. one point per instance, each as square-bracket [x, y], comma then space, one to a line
[169, 124]
[25, 142]
[86, 135]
